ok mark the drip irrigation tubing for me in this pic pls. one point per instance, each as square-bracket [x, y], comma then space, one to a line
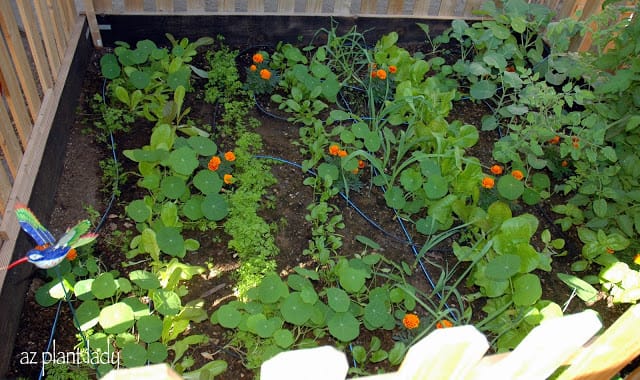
[409, 239]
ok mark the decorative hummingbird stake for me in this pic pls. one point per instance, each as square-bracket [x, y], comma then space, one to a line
[48, 253]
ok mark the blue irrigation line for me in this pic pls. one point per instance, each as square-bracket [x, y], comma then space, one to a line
[414, 246]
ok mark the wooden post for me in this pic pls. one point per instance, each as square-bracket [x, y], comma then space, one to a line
[93, 23]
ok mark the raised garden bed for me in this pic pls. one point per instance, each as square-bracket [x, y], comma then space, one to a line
[273, 210]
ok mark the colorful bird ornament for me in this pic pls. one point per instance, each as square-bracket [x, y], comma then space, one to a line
[48, 253]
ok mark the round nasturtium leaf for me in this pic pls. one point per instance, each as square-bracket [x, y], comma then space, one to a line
[526, 289]
[344, 326]
[173, 187]
[294, 310]
[139, 309]
[376, 313]
[116, 318]
[509, 187]
[104, 286]
[436, 187]
[214, 207]
[139, 79]
[272, 288]
[207, 182]
[138, 210]
[144, 279]
[87, 315]
[483, 89]
[133, 355]
[82, 289]
[338, 299]
[192, 208]
[183, 160]
[228, 316]
[328, 170]
[157, 352]
[109, 66]
[351, 279]
[411, 179]
[283, 338]
[149, 328]
[170, 241]
[395, 197]
[202, 145]
[502, 267]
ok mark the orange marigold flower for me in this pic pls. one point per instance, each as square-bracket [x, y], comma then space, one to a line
[230, 156]
[637, 259]
[342, 153]
[361, 164]
[265, 74]
[72, 254]
[488, 183]
[554, 140]
[517, 174]
[355, 171]
[496, 169]
[214, 163]
[393, 69]
[333, 150]
[411, 321]
[258, 58]
[610, 251]
[576, 144]
[253, 67]
[381, 74]
[564, 163]
[443, 324]
[228, 179]
[374, 74]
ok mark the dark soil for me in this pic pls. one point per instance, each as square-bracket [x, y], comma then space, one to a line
[81, 186]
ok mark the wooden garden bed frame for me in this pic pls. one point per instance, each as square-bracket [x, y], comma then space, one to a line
[46, 45]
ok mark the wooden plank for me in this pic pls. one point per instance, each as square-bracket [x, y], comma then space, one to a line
[471, 6]
[55, 18]
[5, 188]
[134, 5]
[13, 95]
[444, 354]
[314, 6]
[421, 7]
[9, 142]
[255, 6]
[155, 372]
[164, 5]
[35, 44]
[286, 6]
[22, 65]
[93, 23]
[195, 5]
[395, 7]
[557, 338]
[47, 35]
[70, 13]
[368, 7]
[449, 7]
[103, 6]
[616, 347]
[227, 5]
[342, 7]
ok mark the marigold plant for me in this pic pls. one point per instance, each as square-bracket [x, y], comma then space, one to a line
[333, 150]
[381, 74]
[517, 174]
[411, 321]
[496, 169]
[230, 156]
[258, 58]
[265, 74]
[228, 179]
[214, 163]
[443, 324]
[361, 164]
[393, 69]
[555, 140]
[488, 182]
[342, 153]
[253, 67]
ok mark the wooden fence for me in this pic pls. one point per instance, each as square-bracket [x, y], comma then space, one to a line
[458, 353]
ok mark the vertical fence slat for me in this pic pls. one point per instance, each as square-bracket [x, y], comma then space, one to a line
[164, 5]
[134, 5]
[368, 6]
[9, 142]
[226, 5]
[47, 35]
[421, 7]
[70, 14]
[13, 95]
[448, 8]
[195, 5]
[471, 6]
[444, 354]
[616, 347]
[21, 63]
[342, 7]
[93, 23]
[314, 6]
[395, 7]
[557, 338]
[255, 6]
[5, 189]
[35, 44]
[102, 6]
[55, 18]
[286, 6]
